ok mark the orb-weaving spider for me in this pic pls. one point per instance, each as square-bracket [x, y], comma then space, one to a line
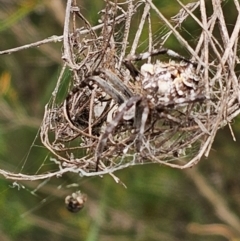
[163, 86]
[76, 201]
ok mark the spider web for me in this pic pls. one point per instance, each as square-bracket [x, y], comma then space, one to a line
[221, 107]
[178, 140]
[74, 119]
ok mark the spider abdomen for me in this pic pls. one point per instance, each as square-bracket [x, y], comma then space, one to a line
[171, 83]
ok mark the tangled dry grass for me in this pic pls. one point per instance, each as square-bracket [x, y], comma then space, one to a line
[110, 119]
[175, 135]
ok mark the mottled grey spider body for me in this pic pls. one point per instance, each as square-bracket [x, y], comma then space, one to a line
[167, 83]
[162, 86]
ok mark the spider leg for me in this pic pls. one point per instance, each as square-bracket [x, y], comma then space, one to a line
[135, 72]
[181, 101]
[110, 90]
[111, 127]
[117, 83]
[159, 51]
[141, 116]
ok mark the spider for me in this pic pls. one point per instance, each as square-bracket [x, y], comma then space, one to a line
[134, 109]
[75, 202]
[163, 85]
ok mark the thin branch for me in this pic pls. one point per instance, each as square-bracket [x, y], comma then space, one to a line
[55, 38]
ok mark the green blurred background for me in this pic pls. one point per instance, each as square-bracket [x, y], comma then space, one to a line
[159, 203]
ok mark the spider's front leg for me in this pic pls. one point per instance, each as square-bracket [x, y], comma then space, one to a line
[141, 117]
[126, 106]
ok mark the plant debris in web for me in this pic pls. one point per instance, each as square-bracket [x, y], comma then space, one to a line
[125, 106]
